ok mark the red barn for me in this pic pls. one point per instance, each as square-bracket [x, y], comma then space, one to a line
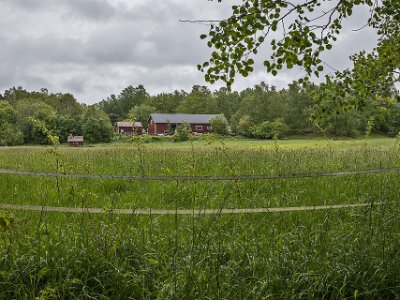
[163, 123]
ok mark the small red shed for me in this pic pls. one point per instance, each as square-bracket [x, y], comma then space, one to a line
[75, 140]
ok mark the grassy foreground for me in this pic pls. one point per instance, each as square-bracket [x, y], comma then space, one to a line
[345, 253]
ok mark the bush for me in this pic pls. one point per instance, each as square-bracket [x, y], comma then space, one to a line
[154, 138]
[182, 132]
[97, 130]
[120, 137]
[219, 125]
[344, 124]
[270, 129]
[67, 125]
[244, 126]
[10, 135]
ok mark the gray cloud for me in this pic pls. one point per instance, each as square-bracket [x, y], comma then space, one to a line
[91, 9]
[27, 5]
[93, 48]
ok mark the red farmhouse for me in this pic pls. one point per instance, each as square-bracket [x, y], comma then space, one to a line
[163, 123]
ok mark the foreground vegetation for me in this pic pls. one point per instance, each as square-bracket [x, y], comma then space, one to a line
[343, 253]
[334, 254]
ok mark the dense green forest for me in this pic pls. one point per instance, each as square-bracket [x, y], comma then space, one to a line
[262, 111]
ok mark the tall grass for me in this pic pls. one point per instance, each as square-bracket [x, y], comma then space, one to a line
[220, 160]
[334, 254]
[343, 253]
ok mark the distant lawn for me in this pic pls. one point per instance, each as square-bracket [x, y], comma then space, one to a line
[239, 142]
[294, 142]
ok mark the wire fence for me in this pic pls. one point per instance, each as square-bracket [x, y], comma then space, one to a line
[198, 178]
[195, 211]
[187, 212]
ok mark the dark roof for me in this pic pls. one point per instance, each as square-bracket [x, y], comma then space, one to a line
[180, 118]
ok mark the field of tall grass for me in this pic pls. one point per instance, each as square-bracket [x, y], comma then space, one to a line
[347, 253]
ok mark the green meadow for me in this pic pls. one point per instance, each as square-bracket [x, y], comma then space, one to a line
[347, 253]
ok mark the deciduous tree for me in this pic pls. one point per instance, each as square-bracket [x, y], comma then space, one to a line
[306, 29]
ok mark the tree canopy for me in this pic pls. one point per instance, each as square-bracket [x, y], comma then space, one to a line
[308, 28]
[261, 111]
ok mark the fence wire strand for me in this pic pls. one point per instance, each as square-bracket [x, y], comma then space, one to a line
[198, 178]
[187, 212]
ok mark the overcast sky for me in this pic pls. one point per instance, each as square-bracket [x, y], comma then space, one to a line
[94, 48]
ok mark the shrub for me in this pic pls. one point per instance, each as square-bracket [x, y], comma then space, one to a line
[182, 132]
[97, 130]
[344, 124]
[154, 138]
[67, 125]
[219, 125]
[245, 124]
[10, 136]
[270, 129]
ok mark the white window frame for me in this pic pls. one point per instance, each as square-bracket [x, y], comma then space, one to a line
[199, 127]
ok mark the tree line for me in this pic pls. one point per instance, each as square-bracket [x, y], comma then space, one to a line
[262, 111]
[34, 117]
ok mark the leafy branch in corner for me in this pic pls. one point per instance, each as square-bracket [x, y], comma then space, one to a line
[298, 32]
